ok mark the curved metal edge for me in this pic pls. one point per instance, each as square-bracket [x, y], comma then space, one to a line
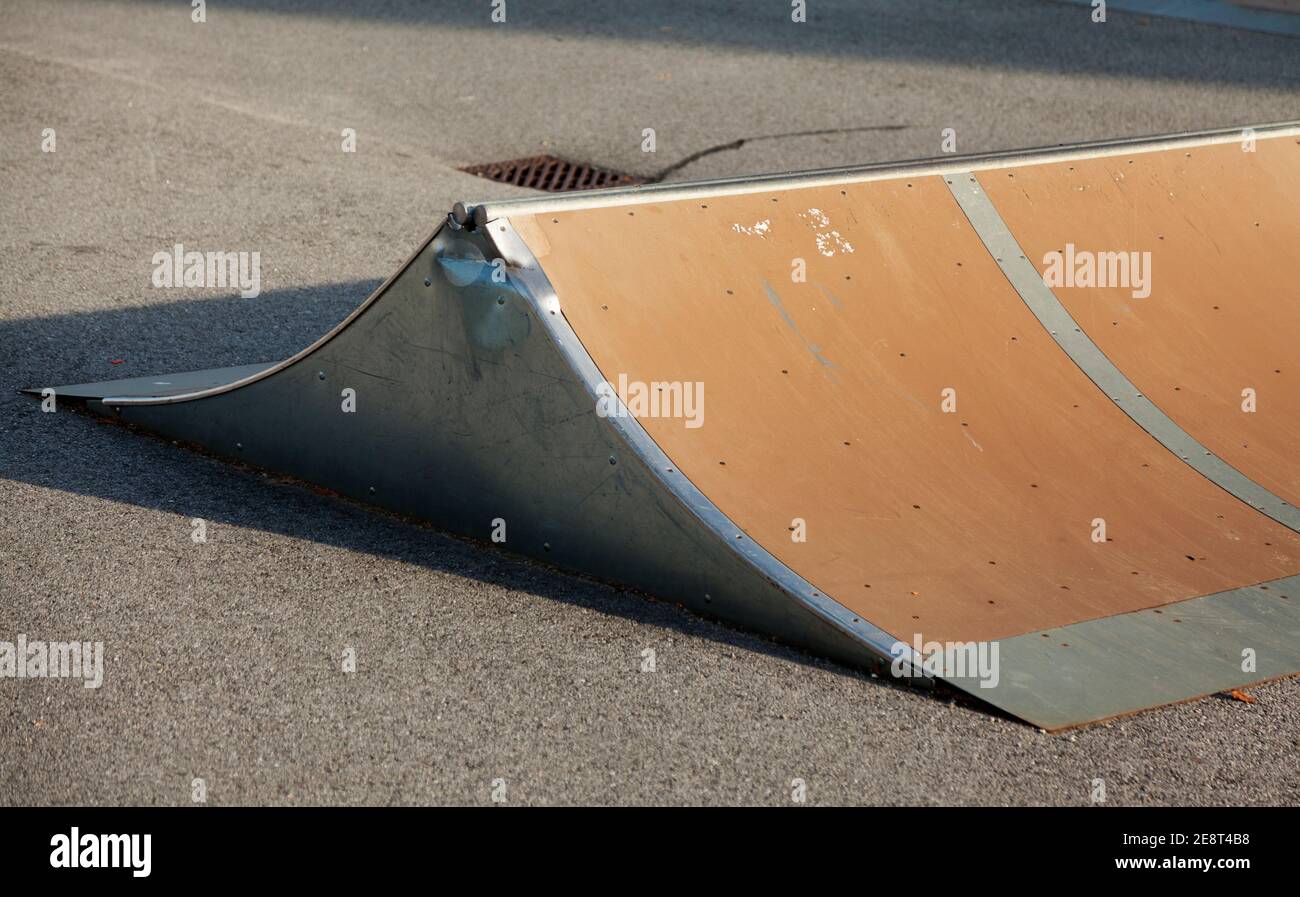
[1066, 332]
[532, 283]
[118, 401]
[937, 165]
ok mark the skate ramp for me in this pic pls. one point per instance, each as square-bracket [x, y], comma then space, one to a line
[906, 439]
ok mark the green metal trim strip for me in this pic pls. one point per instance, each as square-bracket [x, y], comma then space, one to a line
[1129, 662]
[1040, 299]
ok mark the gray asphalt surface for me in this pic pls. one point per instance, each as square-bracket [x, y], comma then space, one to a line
[223, 659]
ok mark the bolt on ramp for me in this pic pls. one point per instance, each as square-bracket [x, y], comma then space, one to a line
[857, 410]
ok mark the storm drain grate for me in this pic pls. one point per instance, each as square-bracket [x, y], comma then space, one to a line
[552, 174]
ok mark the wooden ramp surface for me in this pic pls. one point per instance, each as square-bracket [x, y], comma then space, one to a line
[833, 328]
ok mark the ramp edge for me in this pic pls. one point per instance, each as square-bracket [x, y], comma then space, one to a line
[275, 368]
[482, 213]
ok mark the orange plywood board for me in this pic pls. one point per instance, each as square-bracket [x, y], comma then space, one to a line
[824, 403]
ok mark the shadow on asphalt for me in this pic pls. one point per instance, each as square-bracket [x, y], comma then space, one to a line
[1035, 35]
[81, 453]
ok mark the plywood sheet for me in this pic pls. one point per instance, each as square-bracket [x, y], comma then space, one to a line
[824, 405]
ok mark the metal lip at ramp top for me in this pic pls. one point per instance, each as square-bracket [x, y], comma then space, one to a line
[934, 165]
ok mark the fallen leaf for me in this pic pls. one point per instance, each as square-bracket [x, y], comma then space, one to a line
[1243, 697]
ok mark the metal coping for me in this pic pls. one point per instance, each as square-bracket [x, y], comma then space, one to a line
[1049, 311]
[485, 212]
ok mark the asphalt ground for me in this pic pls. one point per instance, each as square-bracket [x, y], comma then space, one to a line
[475, 666]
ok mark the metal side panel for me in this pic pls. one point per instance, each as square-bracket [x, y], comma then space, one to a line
[468, 411]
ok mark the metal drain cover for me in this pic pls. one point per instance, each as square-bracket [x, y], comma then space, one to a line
[552, 174]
